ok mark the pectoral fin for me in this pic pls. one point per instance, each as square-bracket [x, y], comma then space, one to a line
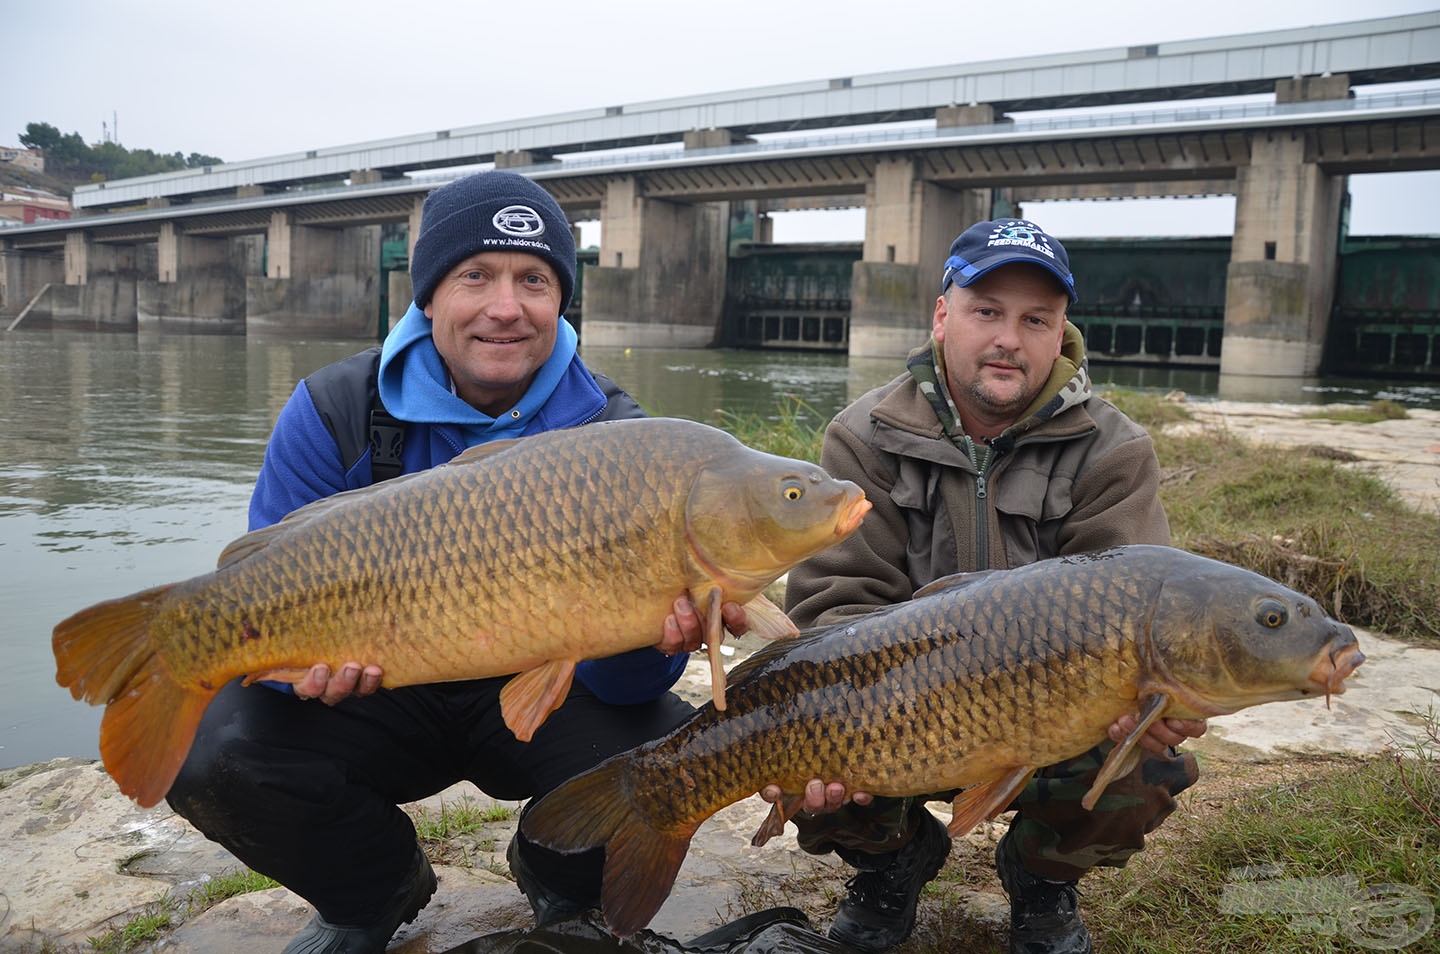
[987, 799]
[285, 674]
[714, 638]
[774, 823]
[527, 700]
[769, 621]
[1125, 756]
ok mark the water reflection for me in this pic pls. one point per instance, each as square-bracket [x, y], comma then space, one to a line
[697, 384]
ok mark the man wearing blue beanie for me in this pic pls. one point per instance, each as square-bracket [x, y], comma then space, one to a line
[307, 791]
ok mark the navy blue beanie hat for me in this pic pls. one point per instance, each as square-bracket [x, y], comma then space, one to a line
[988, 245]
[490, 212]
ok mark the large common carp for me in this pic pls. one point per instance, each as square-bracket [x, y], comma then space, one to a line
[522, 556]
[974, 684]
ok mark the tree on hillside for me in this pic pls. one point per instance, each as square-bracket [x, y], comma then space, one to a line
[64, 152]
[69, 156]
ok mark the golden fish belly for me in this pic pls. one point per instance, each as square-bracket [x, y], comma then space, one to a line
[419, 620]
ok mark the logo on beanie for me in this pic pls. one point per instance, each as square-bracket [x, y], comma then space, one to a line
[519, 220]
[1025, 234]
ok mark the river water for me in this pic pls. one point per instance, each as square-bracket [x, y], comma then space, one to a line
[128, 460]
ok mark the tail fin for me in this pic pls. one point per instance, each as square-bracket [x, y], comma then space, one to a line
[641, 863]
[104, 656]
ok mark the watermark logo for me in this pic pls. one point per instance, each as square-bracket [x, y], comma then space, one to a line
[1382, 917]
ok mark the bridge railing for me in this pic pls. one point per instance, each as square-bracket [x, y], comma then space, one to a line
[1098, 118]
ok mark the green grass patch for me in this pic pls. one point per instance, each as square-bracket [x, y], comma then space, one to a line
[1344, 861]
[141, 929]
[1371, 413]
[228, 886]
[795, 430]
[465, 817]
[163, 915]
[1336, 534]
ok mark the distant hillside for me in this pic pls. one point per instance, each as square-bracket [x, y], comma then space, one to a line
[13, 176]
[70, 161]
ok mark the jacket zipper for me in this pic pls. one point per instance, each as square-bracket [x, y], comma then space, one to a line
[982, 516]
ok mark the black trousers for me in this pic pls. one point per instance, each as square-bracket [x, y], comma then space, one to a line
[307, 793]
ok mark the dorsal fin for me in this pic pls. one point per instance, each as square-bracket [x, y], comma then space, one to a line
[480, 451]
[952, 582]
[257, 540]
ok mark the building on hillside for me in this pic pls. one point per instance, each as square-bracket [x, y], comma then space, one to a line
[32, 159]
[26, 206]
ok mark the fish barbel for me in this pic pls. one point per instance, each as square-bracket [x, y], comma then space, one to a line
[976, 683]
[523, 556]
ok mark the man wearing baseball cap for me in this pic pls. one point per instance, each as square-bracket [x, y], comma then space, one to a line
[304, 785]
[989, 451]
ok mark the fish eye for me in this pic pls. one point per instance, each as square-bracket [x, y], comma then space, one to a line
[1271, 614]
[792, 489]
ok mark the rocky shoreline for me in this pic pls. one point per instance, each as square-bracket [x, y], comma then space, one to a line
[81, 860]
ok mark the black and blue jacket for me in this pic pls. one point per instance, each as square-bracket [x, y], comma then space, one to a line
[327, 439]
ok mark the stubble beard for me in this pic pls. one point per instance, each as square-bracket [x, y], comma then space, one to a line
[984, 395]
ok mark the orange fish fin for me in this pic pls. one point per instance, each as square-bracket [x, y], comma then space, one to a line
[99, 649]
[147, 731]
[104, 655]
[774, 823]
[987, 799]
[594, 809]
[769, 621]
[527, 700]
[714, 639]
[1124, 757]
[289, 674]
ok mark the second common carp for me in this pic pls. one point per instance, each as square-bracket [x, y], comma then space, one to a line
[523, 556]
[974, 684]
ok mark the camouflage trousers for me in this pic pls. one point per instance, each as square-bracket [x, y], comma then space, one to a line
[1054, 835]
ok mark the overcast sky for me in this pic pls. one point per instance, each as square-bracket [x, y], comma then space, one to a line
[252, 78]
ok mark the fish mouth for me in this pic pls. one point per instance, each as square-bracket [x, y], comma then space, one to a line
[850, 519]
[1331, 671]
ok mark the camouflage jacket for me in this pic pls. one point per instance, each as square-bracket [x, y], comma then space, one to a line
[1074, 474]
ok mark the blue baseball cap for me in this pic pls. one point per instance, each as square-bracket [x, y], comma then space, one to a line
[988, 245]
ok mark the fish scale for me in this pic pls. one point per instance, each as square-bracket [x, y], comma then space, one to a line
[973, 685]
[522, 556]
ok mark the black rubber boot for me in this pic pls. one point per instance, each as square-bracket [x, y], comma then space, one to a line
[1044, 915]
[322, 937]
[549, 905]
[879, 910]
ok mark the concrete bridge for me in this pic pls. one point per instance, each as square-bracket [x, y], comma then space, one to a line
[291, 244]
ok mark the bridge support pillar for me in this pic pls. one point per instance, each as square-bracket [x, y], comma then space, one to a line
[198, 288]
[99, 290]
[909, 225]
[1281, 278]
[318, 281]
[23, 274]
[660, 282]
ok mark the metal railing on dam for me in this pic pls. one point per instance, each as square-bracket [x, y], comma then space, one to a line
[1363, 53]
[1417, 105]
